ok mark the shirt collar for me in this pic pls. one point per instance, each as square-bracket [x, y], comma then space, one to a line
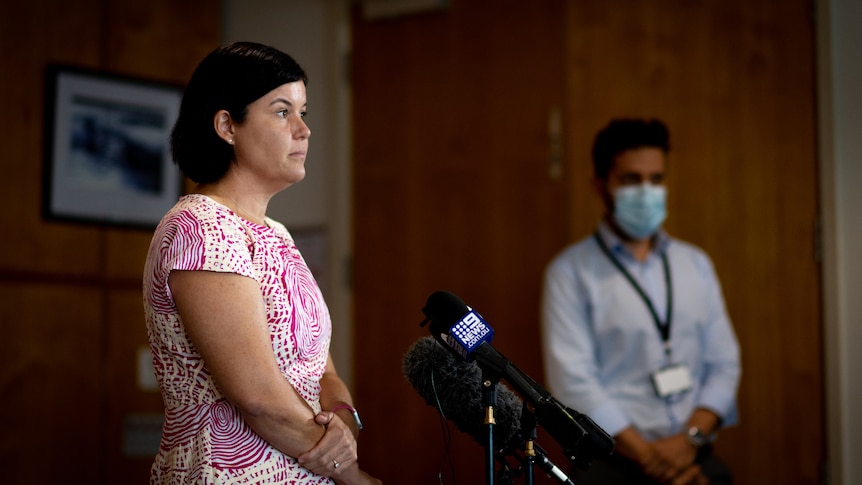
[615, 244]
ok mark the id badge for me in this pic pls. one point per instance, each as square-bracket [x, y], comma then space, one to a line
[671, 380]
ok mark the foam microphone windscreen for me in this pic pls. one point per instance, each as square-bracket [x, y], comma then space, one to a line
[454, 388]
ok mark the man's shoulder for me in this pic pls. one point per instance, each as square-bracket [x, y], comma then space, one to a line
[686, 247]
[577, 254]
[680, 250]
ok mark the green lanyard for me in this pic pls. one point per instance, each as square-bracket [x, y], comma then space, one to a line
[663, 328]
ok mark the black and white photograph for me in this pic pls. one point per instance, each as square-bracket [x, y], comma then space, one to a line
[108, 158]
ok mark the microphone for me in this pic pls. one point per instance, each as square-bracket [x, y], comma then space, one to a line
[455, 325]
[466, 335]
[452, 387]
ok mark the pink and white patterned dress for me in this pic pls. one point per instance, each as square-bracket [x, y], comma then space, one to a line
[205, 440]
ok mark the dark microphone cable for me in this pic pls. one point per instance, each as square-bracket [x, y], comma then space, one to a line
[447, 436]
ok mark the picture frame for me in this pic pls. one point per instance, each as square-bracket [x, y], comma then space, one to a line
[107, 150]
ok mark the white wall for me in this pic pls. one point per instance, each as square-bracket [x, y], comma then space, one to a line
[840, 127]
[316, 34]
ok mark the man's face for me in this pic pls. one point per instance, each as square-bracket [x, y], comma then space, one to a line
[632, 167]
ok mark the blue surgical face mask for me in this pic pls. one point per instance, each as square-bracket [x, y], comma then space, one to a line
[639, 210]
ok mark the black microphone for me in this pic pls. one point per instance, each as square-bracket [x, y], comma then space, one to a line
[455, 325]
[452, 386]
[466, 335]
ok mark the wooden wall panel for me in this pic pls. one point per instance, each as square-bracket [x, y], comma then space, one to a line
[126, 335]
[161, 39]
[70, 294]
[30, 41]
[50, 380]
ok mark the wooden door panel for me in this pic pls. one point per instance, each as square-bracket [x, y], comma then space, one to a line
[451, 192]
[734, 80]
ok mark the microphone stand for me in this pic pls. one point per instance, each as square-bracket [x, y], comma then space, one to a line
[528, 428]
[534, 454]
[489, 401]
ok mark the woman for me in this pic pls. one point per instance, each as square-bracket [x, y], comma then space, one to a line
[238, 327]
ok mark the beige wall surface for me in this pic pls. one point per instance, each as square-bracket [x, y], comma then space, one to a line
[840, 119]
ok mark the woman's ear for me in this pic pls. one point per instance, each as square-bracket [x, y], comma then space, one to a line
[223, 124]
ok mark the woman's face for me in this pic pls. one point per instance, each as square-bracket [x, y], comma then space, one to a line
[272, 143]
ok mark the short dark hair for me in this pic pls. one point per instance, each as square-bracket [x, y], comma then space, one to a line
[229, 78]
[625, 134]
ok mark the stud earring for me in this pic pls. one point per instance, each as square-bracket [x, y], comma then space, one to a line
[230, 141]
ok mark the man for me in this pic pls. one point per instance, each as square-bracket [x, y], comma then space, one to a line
[635, 330]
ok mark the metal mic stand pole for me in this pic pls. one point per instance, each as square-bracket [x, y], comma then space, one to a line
[535, 455]
[528, 428]
[489, 401]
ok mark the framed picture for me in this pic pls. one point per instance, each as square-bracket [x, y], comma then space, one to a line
[107, 151]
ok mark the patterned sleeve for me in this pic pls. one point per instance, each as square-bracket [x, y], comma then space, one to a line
[197, 239]
[217, 244]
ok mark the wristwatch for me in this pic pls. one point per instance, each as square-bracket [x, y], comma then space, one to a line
[696, 437]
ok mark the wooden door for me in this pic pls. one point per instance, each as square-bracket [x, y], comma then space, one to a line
[452, 191]
[735, 83]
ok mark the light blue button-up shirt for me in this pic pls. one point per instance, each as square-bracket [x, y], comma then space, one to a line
[601, 344]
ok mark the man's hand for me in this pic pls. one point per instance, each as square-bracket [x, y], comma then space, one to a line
[668, 459]
[676, 451]
[690, 476]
